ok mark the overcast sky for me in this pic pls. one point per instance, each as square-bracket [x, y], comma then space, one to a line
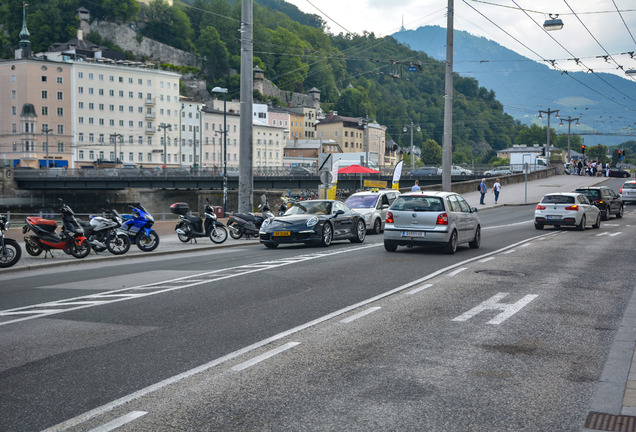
[592, 28]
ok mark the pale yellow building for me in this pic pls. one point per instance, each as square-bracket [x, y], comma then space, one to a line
[36, 97]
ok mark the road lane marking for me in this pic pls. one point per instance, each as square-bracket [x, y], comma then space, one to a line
[602, 234]
[508, 252]
[360, 315]
[486, 259]
[422, 288]
[615, 234]
[456, 272]
[108, 297]
[508, 309]
[264, 356]
[81, 418]
[118, 422]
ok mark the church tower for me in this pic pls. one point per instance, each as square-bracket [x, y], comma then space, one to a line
[24, 50]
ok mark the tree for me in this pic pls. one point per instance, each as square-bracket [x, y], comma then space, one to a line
[214, 49]
[431, 152]
[354, 102]
[289, 71]
[168, 24]
[120, 10]
[598, 152]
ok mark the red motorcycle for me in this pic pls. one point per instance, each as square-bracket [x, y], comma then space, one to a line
[44, 238]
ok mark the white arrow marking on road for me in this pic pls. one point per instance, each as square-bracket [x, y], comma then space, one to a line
[507, 309]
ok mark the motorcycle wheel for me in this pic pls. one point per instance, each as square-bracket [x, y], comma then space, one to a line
[235, 234]
[218, 235]
[147, 243]
[80, 250]
[118, 244]
[33, 250]
[11, 253]
[183, 237]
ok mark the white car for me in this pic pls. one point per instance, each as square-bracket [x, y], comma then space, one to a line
[499, 171]
[373, 205]
[566, 208]
[456, 170]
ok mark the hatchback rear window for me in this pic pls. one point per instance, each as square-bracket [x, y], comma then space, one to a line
[590, 193]
[418, 204]
[629, 186]
[558, 199]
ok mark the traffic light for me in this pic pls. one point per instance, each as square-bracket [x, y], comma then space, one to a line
[583, 148]
[619, 154]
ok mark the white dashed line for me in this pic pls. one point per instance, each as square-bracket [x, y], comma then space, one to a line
[265, 356]
[360, 315]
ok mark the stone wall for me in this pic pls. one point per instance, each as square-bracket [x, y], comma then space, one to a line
[125, 36]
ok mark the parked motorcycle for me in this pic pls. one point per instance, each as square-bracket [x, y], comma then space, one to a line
[248, 224]
[103, 233]
[192, 227]
[44, 238]
[10, 250]
[138, 227]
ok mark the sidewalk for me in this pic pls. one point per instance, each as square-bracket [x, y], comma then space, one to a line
[518, 194]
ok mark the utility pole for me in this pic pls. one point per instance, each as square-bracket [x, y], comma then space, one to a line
[547, 148]
[570, 120]
[246, 177]
[412, 126]
[447, 143]
[46, 130]
[224, 91]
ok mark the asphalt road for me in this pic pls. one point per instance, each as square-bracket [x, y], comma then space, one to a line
[173, 352]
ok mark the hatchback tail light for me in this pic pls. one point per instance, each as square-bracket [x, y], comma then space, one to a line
[574, 207]
[540, 207]
[442, 219]
[389, 217]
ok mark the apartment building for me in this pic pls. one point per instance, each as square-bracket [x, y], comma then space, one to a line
[213, 122]
[269, 144]
[118, 109]
[36, 113]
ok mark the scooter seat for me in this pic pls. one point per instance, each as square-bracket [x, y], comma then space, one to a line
[193, 219]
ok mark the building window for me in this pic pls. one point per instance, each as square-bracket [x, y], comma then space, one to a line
[60, 95]
[60, 129]
[45, 94]
[81, 154]
[59, 80]
[44, 78]
[80, 105]
[45, 111]
[80, 74]
[60, 147]
[60, 112]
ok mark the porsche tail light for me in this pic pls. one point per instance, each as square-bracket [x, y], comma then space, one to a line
[389, 217]
[442, 219]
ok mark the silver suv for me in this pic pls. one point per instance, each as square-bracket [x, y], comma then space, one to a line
[431, 219]
[373, 205]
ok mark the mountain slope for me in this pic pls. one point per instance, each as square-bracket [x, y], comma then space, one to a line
[605, 103]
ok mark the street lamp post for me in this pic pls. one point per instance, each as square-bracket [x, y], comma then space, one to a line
[114, 137]
[412, 126]
[224, 91]
[46, 130]
[364, 122]
[547, 150]
[570, 120]
[165, 126]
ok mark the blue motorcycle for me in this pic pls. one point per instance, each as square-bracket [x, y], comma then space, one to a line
[138, 227]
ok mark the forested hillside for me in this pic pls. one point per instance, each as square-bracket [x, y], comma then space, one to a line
[357, 75]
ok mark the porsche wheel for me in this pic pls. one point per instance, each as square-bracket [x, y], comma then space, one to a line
[327, 235]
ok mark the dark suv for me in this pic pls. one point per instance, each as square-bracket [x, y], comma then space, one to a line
[607, 201]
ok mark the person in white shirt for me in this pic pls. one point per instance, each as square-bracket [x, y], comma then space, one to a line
[496, 188]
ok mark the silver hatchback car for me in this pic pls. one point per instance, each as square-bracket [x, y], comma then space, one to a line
[431, 219]
[373, 206]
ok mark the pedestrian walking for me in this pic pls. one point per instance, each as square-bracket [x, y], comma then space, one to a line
[496, 188]
[607, 169]
[416, 186]
[482, 190]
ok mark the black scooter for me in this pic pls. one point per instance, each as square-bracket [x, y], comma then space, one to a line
[10, 250]
[192, 227]
[248, 224]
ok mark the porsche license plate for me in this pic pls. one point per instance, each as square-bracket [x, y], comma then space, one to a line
[281, 233]
[413, 234]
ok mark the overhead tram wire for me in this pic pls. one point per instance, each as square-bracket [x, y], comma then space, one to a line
[563, 71]
[624, 23]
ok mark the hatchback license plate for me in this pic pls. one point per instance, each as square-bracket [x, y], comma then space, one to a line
[552, 217]
[413, 234]
[281, 234]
